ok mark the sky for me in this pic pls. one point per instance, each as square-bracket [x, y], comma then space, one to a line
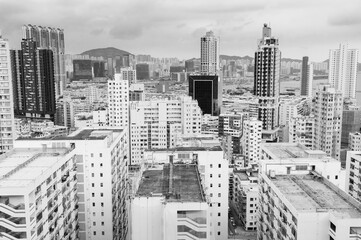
[173, 28]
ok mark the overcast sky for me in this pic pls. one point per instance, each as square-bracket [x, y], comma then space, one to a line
[172, 28]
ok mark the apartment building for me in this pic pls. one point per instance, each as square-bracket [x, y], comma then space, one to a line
[170, 204]
[118, 101]
[38, 194]
[305, 206]
[214, 175]
[156, 124]
[301, 130]
[101, 159]
[245, 192]
[251, 141]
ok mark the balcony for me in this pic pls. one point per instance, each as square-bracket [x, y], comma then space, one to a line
[14, 211]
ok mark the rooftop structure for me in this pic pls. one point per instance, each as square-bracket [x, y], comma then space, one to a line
[289, 150]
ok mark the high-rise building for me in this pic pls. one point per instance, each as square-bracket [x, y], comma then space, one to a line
[343, 70]
[214, 175]
[209, 54]
[39, 193]
[207, 90]
[129, 75]
[301, 130]
[52, 39]
[33, 81]
[306, 77]
[301, 204]
[251, 141]
[7, 123]
[173, 199]
[328, 121]
[156, 124]
[231, 125]
[101, 170]
[351, 122]
[136, 92]
[82, 69]
[266, 83]
[142, 71]
[353, 168]
[118, 101]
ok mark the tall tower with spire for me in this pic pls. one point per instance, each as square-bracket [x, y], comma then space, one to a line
[266, 83]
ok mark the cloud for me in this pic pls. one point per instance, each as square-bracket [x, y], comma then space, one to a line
[346, 19]
[125, 31]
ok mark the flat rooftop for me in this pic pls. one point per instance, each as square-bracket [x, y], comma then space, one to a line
[290, 150]
[185, 149]
[309, 193]
[21, 166]
[186, 184]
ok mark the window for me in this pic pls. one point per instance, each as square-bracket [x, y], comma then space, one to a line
[219, 175]
[94, 233]
[102, 213]
[333, 227]
[219, 194]
[93, 184]
[219, 223]
[92, 165]
[93, 214]
[103, 233]
[102, 204]
[101, 175]
[211, 195]
[102, 223]
[93, 204]
[94, 223]
[301, 167]
[219, 214]
[101, 194]
[211, 185]
[101, 164]
[219, 185]
[219, 233]
[211, 166]
[92, 155]
[100, 154]
[210, 175]
[92, 174]
[93, 194]
[101, 184]
[336, 177]
[219, 165]
[219, 204]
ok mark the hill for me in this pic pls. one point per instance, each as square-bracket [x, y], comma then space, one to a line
[109, 52]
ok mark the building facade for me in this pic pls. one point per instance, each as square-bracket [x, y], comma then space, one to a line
[343, 70]
[251, 141]
[306, 77]
[33, 81]
[301, 130]
[207, 90]
[209, 54]
[353, 168]
[328, 121]
[51, 39]
[118, 101]
[266, 83]
[7, 129]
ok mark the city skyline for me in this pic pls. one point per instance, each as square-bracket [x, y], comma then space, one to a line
[140, 26]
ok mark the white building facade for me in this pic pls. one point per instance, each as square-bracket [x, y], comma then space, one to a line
[118, 101]
[6, 98]
[251, 141]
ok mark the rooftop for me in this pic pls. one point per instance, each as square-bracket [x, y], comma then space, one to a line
[186, 184]
[290, 150]
[310, 193]
[21, 166]
[180, 149]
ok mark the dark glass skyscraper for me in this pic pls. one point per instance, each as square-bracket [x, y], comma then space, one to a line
[33, 81]
[52, 39]
[207, 90]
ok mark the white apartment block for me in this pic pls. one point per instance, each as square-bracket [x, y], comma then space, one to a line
[291, 107]
[92, 94]
[156, 124]
[354, 142]
[301, 130]
[101, 157]
[353, 174]
[38, 194]
[251, 141]
[7, 124]
[328, 121]
[170, 204]
[129, 75]
[305, 206]
[213, 170]
[118, 101]
[343, 70]
[246, 193]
